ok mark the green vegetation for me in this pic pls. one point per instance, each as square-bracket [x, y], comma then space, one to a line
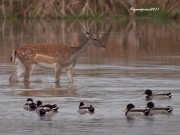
[82, 9]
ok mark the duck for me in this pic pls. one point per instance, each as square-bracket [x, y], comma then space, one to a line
[30, 105]
[158, 109]
[46, 106]
[45, 112]
[132, 111]
[85, 108]
[151, 95]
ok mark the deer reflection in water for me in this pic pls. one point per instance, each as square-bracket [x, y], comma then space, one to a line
[52, 56]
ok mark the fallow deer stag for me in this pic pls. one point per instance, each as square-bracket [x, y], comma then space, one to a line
[54, 56]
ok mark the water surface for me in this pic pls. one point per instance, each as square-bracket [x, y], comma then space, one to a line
[141, 54]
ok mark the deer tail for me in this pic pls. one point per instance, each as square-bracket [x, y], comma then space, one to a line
[13, 56]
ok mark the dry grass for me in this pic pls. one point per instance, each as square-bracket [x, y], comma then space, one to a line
[81, 8]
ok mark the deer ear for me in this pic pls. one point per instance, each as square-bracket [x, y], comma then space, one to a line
[85, 33]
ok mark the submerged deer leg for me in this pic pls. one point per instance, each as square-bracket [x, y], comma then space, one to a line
[21, 69]
[69, 74]
[58, 73]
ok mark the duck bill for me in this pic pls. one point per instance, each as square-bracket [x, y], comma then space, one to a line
[125, 110]
[52, 110]
[146, 107]
[142, 94]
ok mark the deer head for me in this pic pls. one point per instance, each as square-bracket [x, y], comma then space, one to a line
[95, 40]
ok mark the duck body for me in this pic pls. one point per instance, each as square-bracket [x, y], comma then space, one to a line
[30, 105]
[45, 112]
[85, 108]
[46, 106]
[158, 109]
[132, 111]
[162, 95]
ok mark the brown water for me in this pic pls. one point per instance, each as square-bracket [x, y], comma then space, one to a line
[141, 54]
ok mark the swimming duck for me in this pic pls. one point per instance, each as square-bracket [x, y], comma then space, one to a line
[45, 112]
[150, 95]
[30, 104]
[85, 109]
[132, 111]
[158, 109]
[46, 106]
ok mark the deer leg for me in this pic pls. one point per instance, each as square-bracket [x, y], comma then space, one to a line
[58, 73]
[28, 73]
[21, 69]
[69, 74]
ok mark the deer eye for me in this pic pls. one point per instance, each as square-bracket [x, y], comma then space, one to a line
[96, 39]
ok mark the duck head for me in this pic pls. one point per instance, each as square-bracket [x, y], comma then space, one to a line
[42, 112]
[150, 105]
[129, 107]
[148, 92]
[32, 106]
[81, 104]
[30, 100]
[39, 103]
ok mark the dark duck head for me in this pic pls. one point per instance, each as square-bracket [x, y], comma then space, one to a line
[150, 105]
[42, 112]
[129, 107]
[81, 104]
[32, 106]
[29, 100]
[39, 103]
[148, 92]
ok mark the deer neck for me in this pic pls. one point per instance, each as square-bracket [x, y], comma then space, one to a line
[80, 50]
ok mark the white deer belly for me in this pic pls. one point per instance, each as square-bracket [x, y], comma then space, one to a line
[45, 65]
